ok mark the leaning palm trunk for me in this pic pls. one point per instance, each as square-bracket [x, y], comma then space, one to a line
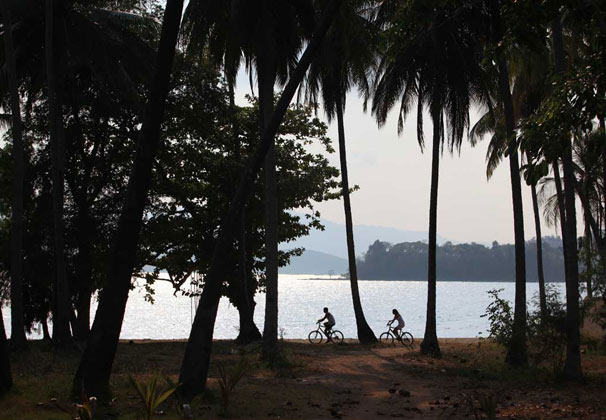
[196, 361]
[6, 379]
[540, 273]
[430, 344]
[517, 352]
[62, 307]
[96, 364]
[365, 333]
[572, 365]
[16, 252]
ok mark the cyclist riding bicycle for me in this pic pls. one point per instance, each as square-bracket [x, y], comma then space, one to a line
[330, 321]
[397, 317]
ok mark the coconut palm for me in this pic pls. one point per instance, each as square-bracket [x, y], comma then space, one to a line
[343, 62]
[269, 33]
[432, 56]
[102, 45]
[54, 14]
[208, 32]
[96, 364]
[572, 365]
[530, 74]
[194, 369]
[18, 339]
[517, 352]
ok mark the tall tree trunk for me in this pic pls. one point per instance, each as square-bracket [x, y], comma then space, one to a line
[6, 379]
[517, 352]
[540, 273]
[84, 272]
[248, 332]
[61, 306]
[588, 256]
[266, 68]
[430, 344]
[572, 365]
[365, 333]
[196, 361]
[18, 339]
[96, 364]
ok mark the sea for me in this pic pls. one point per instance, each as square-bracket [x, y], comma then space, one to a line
[460, 306]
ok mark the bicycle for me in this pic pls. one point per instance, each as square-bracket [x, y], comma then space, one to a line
[389, 336]
[317, 336]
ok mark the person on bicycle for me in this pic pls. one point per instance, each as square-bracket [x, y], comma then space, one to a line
[330, 321]
[397, 317]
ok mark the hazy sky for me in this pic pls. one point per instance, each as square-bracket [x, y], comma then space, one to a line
[394, 179]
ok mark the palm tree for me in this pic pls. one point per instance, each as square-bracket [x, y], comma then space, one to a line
[517, 352]
[18, 339]
[209, 33]
[343, 61]
[194, 369]
[269, 33]
[433, 57]
[61, 331]
[572, 365]
[530, 70]
[96, 364]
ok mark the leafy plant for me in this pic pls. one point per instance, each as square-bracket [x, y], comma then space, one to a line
[151, 394]
[546, 333]
[229, 378]
[500, 316]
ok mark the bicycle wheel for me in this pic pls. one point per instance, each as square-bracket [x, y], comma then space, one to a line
[407, 339]
[386, 338]
[337, 336]
[315, 337]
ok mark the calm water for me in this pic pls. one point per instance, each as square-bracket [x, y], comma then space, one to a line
[301, 300]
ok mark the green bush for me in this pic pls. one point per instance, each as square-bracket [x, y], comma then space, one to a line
[546, 334]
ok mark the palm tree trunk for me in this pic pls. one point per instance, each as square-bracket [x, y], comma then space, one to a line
[196, 361]
[96, 364]
[517, 352]
[572, 365]
[18, 339]
[588, 256]
[248, 332]
[430, 344]
[84, 272]
[6, 379]
[266, 68]
[61, 307]
[365, 333]
[540, 273]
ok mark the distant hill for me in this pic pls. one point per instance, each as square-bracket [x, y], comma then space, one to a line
[332, 239]
[314, 262]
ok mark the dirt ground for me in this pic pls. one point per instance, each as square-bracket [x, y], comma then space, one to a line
[327, 381]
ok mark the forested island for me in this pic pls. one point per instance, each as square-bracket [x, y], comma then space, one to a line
[460, 262]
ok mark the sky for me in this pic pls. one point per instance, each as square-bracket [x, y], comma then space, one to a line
[394, 180]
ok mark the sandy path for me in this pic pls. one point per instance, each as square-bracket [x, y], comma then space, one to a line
[372, 383]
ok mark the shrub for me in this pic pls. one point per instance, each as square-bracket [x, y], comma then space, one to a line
[229, 378]
[151, 395]
[546, 335]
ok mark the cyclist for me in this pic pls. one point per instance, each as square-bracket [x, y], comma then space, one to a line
[397, 317]
[330, 322]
